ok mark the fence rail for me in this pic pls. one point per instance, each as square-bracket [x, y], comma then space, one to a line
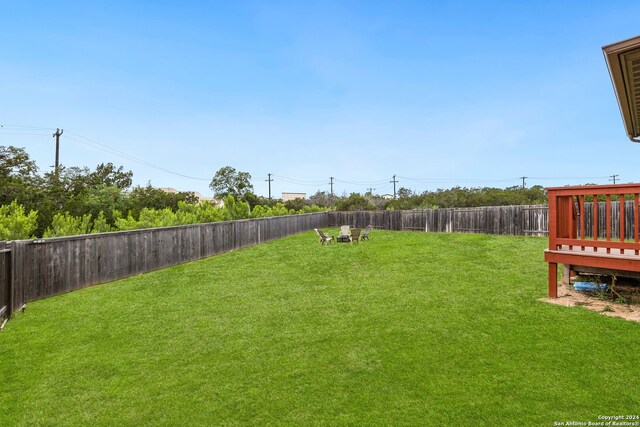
[34, 269]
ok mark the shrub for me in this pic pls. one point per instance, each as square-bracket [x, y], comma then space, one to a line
[15, 224]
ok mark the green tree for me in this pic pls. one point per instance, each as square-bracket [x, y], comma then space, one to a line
[404, 193]
[80, 191]
[355, 202]
[321, 198]
[110, 176]
[155, 198]
[64, 224]
[296, 204]
[191, 213]
[100, 224]
[18, 176]
[235, 209]
[230, 182]
[15, 224]
[98, 201]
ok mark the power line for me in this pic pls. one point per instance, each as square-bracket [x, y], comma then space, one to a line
[95, 144]
[295, 182]
[566, 177]
[298, 180]
[362, 182]
[384, 187]
[24, 130]
[22, 127]
[23, 134]
[99, 146]
[452, 180]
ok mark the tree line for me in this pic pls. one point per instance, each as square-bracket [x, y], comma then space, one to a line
[78, 200]
[456, 197]
[229, 181]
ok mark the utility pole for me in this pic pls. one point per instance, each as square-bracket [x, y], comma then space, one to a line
[57, 137]
[613, 178]
[523, 183]
[331, 184]
[269, 180]
[370, 190]
[394, 181]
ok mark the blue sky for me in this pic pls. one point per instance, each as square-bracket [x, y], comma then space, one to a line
[438, 93]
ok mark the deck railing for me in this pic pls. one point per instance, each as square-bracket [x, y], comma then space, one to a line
[593, 226]
[596, 218]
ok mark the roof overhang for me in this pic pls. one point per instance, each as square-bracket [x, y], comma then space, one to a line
[623, 60]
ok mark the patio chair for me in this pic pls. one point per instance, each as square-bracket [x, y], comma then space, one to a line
[324, 238]
[355, 235]
[365, 235]
[345, 234]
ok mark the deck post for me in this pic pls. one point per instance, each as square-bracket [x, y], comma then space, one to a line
[553, 280]
[566, 274]
[553, 220]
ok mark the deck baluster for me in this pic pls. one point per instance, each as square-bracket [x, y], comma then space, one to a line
[636, 202]
[607, 215]
[621, 225]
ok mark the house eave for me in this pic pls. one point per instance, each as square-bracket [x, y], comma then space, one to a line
[623, 62]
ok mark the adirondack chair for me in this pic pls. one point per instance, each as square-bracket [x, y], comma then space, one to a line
[355, 235]
[345, 234]
[365, 235]
[324, 238]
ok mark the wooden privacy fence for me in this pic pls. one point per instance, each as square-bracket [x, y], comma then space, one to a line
[34, 269]
[522, 220]
[383, 220]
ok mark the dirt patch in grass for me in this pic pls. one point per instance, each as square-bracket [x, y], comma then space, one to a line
[569, 297]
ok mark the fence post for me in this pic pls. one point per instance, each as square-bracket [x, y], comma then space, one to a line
[17, 274]
[5, 282]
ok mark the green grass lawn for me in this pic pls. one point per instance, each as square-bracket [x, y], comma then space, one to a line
[405, 329]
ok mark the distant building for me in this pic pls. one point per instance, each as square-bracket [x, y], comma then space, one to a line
[212, 200]
[292, 196]
[200, 197]
[169, 190]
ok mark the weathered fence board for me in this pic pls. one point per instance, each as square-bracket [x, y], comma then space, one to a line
[614, 211]
[45, 267]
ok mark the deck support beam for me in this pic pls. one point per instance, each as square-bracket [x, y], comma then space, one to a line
[553, 280]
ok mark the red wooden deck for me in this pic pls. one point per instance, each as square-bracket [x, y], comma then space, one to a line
[572, 244]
